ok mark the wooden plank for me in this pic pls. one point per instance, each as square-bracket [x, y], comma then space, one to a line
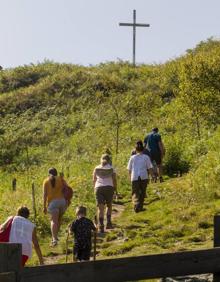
[8, 277]
[137, 25]
[10, 257]
[128, 269]
[216, 276]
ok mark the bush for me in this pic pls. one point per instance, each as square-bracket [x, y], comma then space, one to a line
[175, 161]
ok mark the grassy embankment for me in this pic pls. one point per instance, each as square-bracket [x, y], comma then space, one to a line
[65, 116]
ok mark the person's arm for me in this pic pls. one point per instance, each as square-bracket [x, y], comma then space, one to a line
[93, 226]
[150, 170]
[37, 246]
[150, 167]
[145, 141]
[94, 178]
[114, 178]
[5, 224]
[45, 198]
[129, 167]
[162, 148]
[69, 230]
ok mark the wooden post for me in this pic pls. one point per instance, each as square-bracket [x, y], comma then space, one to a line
[134, 36]
[68, 172]
[95, 238]
[33, 201]
[8, 277]
[216, 276]
[134, 25]
[10, 261]
[14, 183]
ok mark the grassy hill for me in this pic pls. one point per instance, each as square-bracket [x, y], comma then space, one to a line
[66, 116]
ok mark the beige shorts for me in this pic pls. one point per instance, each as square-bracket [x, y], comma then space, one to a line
[58, 205]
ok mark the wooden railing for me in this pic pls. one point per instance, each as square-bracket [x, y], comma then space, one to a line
[122, 269]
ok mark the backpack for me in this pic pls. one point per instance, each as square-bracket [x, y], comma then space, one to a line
[5, 234]
[104, 172]
[67, 192]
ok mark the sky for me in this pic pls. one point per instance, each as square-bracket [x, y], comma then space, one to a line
[87, 32]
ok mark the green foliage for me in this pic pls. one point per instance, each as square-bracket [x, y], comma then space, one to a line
[66, 116]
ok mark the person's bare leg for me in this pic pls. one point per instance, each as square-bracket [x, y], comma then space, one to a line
[101, 209]
[59, 222]
[109, 209]
[54, 225]
[108, 215]
[160, 172]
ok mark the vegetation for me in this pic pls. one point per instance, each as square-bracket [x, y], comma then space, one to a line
[66, 116]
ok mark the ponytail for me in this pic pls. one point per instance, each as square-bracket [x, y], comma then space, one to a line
[105, 159]
[52, 180]
[52, 173]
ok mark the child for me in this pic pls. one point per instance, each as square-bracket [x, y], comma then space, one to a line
[82, 229]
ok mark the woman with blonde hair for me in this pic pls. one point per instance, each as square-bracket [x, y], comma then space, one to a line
[105, 184]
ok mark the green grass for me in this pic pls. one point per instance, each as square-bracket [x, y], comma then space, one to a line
[67, 116]
[165, 226]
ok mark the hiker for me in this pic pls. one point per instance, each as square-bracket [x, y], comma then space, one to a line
[54, 202]
[154, 144]
[108, 152]
[23, 231]
[145, 152]
[82, 229]
[105, 185]
[138, 167]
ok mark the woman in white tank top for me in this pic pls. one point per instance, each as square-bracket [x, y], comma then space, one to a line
[105, 185]
[23, 232]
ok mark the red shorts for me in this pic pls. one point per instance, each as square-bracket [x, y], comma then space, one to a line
[24, 259]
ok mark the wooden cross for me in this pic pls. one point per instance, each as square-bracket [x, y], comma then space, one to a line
[134, 25]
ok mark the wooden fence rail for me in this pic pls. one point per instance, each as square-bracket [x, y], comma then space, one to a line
[128, 269]
[117, 270]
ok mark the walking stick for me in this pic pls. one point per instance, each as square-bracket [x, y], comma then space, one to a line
[67, 241]
[95, 239]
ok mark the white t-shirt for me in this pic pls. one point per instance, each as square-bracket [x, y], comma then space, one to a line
[21, 232]
[138, 165]
[103, 180]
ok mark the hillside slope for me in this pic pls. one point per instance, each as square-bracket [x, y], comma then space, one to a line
[66, 116]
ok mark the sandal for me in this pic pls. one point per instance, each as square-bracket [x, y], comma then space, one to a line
[54, 243]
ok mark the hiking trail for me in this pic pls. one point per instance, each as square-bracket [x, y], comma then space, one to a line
[56, 257]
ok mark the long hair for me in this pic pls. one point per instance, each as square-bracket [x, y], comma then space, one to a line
[52, 173]
[105, 159]
[139, 146]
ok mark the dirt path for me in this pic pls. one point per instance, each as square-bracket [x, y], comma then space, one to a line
[117, 210]
[56, 257]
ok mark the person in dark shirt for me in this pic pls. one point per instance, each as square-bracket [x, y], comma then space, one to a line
[154, 144]
[145, 152]
[82, 229]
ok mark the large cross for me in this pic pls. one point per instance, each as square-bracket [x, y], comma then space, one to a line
[134, 25]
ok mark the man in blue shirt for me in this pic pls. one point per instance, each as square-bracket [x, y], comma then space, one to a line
[154, 144]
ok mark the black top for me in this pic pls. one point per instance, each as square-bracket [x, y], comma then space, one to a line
[152, 142]
[82, 230]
